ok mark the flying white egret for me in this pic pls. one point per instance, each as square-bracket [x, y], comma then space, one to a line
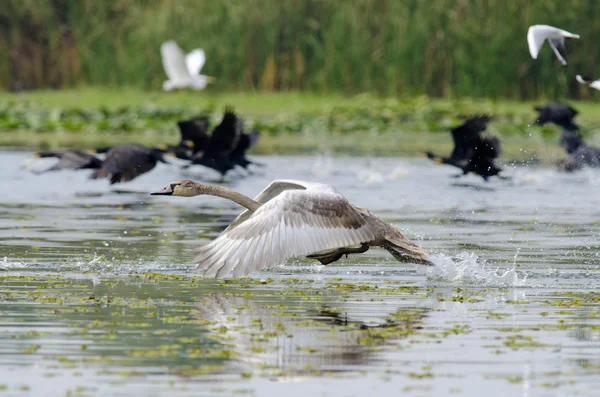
[292, 218]
[183, 70]
[537, 34]
[595, 84]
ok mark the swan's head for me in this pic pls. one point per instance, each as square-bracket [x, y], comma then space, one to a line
[185, 188]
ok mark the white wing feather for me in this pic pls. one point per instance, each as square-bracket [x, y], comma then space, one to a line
[561, 43]
[595, 85]
[195, 61]
[174, 62]
[294, 223]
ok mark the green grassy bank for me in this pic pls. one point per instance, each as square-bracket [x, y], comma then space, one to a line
[289, 122]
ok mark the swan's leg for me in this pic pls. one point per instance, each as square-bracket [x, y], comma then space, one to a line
[330, 257]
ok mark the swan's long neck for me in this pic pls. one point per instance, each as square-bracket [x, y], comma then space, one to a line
[228, 194]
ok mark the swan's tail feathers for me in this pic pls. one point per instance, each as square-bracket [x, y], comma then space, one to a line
[405, 250]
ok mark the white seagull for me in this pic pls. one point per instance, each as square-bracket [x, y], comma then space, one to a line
[537, 34]
[292, 218]
[183, 70]
[595, 84]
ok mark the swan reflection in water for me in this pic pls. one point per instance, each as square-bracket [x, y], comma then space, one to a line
[329, 340]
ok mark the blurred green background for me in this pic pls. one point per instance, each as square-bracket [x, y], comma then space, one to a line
[390, 47]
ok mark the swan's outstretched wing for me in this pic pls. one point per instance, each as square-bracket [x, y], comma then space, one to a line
[174, 61]
[295, 223]
[273, 190]
[194, 61]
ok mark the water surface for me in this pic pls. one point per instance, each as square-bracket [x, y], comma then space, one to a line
[99, 296]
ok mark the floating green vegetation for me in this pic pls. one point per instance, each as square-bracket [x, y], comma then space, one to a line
[402, 126]
[523, 341]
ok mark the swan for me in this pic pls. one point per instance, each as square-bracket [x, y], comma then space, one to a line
[537, 34]
[183, 70]
[595, 84]
[292, 218]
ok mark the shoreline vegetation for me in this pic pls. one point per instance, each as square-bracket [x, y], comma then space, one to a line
[439, 48]
[290, 122]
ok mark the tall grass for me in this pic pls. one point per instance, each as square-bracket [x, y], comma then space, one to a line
[392, 47]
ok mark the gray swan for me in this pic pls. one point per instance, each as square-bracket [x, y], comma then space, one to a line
[292, 218]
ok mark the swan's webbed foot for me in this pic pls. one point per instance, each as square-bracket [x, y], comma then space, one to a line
[330, 257]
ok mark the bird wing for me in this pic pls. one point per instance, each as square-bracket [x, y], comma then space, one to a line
[595, 84]
[538, 33]
[128, 160]
[294, 223]
[536, 36]
[194, 61]
[75, 159]
[174, 61]
[467, 136]
[490, 147]
[583, 80]
[195, 130]
[225, 136]
[558, 46]
[273, 190]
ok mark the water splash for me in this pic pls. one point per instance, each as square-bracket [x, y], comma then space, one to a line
[323, 164]
[399, 173]
[467, 269]
[370, 176]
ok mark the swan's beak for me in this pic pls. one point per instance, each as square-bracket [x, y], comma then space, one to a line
[210, 79]
[166, 191]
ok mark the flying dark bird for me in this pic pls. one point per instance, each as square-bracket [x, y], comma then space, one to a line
[580, 155]
[223, 140]
[124, 163]
[245, 142]
[558, 113]
[71, 160]
[472, 152]
[196, 131]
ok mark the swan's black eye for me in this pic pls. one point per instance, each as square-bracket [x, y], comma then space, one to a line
[174, 184]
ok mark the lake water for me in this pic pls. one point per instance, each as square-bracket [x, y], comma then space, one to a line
[99, 297]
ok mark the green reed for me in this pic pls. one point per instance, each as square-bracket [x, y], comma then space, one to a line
[444, 48]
